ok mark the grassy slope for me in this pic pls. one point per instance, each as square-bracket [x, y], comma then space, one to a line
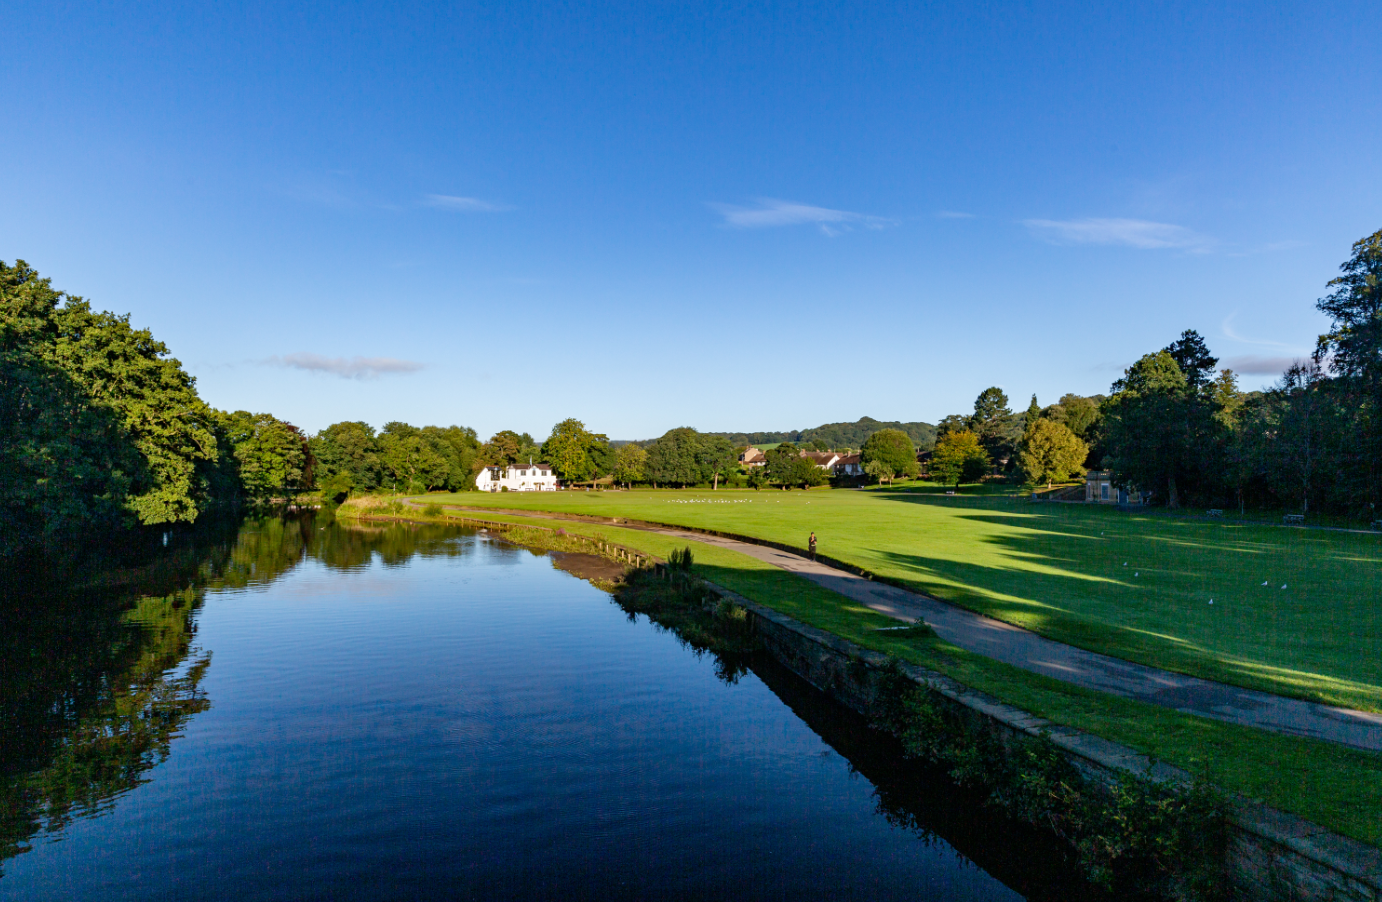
[1058, 569]
[1334, 787]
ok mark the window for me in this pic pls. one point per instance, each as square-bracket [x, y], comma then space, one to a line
[1103, 492]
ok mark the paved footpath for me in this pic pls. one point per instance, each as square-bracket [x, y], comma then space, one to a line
[1029, 651]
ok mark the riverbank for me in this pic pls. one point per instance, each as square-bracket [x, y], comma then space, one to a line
[1131, 585]
[1272, 846]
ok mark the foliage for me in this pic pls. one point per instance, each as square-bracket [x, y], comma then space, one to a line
[347, 459]
[1137, 836]
[1353, 346]
[272, 458]
[785, 466]
[1160, 429]
[891, 449]
[1051, 452]
[571, 451]
[1031, 416]
[955, 422]
[686, 457]
[411, 462]
[100, 426]
[507, 447]
[836, 436]
[995, 425]
[716, 458]
[1077, 413]
[1192, 356]
[880, 471]
[680, 559]
[959, 457]
[629, 463]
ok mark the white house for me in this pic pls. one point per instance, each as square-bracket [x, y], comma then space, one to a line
[529, 477]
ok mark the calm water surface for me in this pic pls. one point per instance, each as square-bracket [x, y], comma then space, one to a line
[326, 712]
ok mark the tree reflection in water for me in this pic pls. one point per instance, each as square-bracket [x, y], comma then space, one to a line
[99, 676]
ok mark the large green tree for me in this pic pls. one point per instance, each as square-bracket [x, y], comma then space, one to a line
[785, 466]
[1077, 413]
[1192, 356]
[126, 370]
[716, 458]
[994, 424]
[271, 456]
[347, 459]
[98, 425]
[1051, 452]
[630, 461]
[575, 453]
[1353, 346]
[959, 457]
[1152, 423]
[410, 461]
[893, 449]
[676, 459]
[507, 447]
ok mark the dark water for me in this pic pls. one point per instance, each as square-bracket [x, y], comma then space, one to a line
[311, 711]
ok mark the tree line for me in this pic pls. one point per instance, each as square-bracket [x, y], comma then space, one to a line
[1180, 429]
[101, 428]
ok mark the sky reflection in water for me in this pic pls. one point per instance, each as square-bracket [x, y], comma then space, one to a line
[426, 713]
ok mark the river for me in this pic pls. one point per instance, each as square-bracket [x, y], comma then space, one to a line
[306, 709]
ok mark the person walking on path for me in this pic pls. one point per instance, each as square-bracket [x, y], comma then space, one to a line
[812, 544]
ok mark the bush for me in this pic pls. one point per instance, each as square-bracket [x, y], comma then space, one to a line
[432, 510]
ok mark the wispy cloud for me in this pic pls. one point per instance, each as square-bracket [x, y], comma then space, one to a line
[1229, 331]
[1139, 233]
[463, 204]
[770, 213]
[1255, 365]
[953, 214]
[345, 367]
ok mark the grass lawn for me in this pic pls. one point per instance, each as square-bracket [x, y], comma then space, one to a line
[1338, 788]
[1133, 585]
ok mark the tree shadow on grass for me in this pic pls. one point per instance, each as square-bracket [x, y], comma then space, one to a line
[1143, 596]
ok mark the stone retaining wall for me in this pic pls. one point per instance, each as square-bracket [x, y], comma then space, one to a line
[1272, 856]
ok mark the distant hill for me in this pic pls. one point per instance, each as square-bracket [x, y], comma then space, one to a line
[838, 435]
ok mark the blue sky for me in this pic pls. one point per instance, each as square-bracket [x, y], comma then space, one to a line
[728, 216]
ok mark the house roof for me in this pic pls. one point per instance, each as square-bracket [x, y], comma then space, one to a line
[821, 458]
[847, 459]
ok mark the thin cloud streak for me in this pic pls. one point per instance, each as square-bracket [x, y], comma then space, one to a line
[772, 213]
[463, 204]
[1137, 233]
[1255, 365]
[953, 214]
[1227, 327]
[345, 367]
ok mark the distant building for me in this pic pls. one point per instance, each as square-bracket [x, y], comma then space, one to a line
[848, 465]
[752, 457]
[825, 460]
[529, 477]
[1099, 489]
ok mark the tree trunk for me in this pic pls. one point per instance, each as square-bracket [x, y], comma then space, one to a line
[1172, 496]
[714, 486]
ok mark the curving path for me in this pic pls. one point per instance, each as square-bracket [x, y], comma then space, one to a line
[1091, 670]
